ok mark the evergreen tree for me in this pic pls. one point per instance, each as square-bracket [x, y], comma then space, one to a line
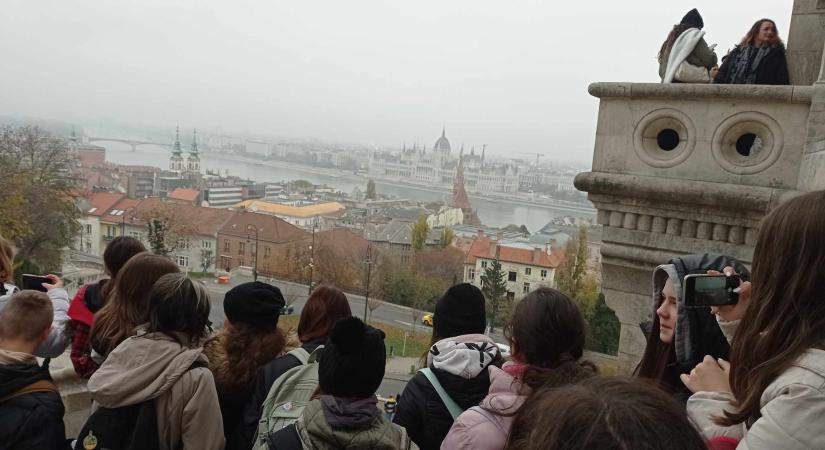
[157, 237]
[447, 236]
[494, 288]
[371, 194]
[419, 233]
[603, 336]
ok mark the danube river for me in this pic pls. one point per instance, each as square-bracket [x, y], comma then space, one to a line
[496, 213]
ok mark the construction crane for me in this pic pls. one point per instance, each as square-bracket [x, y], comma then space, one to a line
[538, 155]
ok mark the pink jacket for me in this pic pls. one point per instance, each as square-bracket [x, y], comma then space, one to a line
[484, 428]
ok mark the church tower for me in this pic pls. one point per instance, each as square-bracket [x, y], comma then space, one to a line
[193, 163]
[176, 160]
[460, 198]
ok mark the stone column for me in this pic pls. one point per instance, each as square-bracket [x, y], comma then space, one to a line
[806, 38]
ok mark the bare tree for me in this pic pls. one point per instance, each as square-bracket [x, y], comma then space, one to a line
[373, 304]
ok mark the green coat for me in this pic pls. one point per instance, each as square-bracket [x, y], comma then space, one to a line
[701, 56]
[316, 434]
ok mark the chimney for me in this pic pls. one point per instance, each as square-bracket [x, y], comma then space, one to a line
[479, 233]
[499, 235]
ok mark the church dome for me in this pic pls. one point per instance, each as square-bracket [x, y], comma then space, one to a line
[442, 144]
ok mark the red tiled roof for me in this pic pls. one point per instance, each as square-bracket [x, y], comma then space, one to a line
[271, 228]
[204, 221]
[119, 212]
[189, 195]
[486, 248]
[101, 202]
[345, 241]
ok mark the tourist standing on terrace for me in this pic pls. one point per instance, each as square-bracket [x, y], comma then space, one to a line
[163, 363]
[30, 404]
[325, 306]
[127, 306]
[772, 394]
[679, 337]
[457, 362]
[685, 56]
[603, 413]
[758, 59]
[58, 339]
[249, 339]
[91, 297]
[546, 337]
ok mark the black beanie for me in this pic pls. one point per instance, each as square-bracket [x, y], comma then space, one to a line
[255, 303]
[693, 18]
[460, 311]
[353, 360]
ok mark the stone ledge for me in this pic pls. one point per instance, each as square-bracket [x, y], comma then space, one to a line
[761, 93]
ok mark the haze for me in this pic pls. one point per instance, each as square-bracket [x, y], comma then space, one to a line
[513, 75]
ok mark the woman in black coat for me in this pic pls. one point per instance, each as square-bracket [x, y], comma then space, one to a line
[758, 59]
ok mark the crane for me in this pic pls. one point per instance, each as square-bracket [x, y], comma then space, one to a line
[538, 155]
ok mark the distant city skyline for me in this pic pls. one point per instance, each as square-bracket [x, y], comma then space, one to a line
[513, 76]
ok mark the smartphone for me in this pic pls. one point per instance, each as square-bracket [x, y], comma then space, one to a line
[35, 282]
[711, 290]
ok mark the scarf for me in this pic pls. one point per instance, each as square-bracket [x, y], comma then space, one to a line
[746, 66]
[349, 413]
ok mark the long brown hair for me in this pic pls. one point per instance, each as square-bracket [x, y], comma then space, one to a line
[750, 38]
[674, 34]
[325, 306]
[6, 261]
[604, 413]
[657, 354]
[786, 315]
[128, 304]
[548, 332]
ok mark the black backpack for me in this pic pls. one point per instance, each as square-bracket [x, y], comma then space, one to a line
[133, 427]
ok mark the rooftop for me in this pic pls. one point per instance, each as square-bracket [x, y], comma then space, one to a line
[278, 209]
[486, 248]
[189, 195]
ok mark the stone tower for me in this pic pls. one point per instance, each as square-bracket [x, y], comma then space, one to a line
[176, 160]
[460, 198]
[193, 162]
[689, 168]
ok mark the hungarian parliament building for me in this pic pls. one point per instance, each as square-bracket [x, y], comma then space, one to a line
[438, 167]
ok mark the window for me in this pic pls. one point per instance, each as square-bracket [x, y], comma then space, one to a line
[206, 245]
[240, 261]
[544, 273]
[528, 270]
[483, 264]
[511, 295]
[226, 245]
[183, 244]
[511, 276]
[183, 261]
[267, 251]
[241, 248]
[526, 288]
[88, 228]
[471, 274]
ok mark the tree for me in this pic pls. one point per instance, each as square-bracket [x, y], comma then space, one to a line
[206, 259]
[494, 287]
[167, 227]
[603, 333]
[447, 236]
[420, 232]
[371, 195]
[572, 270]
[37, 209]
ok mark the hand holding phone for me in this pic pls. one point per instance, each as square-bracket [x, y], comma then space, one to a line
[703, 290]
[733, 312]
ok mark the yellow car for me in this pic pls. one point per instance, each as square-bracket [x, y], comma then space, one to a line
[427, 320]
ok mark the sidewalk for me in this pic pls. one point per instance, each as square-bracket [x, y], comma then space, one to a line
[399, 368]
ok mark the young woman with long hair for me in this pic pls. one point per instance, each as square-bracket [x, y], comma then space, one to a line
[91, 297]
[163, 361]
[127, 305]
[546, 335]
[758, 59]
[679, 337]
[325, 306]
[772, 394]
[457, 359]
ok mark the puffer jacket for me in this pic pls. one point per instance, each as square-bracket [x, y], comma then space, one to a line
[487, 427]
[461, 367]
[697, 332]
[33, 420]
[154, 366]
[792, 413]
[58, 339]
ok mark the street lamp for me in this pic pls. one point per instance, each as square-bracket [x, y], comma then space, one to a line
[123, 220]
[312, 256]
[255, 268]
[368, 262]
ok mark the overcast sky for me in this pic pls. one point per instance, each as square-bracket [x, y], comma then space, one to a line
[511, 74]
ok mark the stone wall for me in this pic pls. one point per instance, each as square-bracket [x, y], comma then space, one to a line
[673, 174]
[805, 41]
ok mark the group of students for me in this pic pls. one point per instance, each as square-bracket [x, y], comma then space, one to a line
[748, 376]
[759, 58]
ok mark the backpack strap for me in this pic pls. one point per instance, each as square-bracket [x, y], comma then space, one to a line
[451, 405]
[304, 357]
[37, 386]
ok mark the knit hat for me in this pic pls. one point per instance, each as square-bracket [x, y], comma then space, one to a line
[353, 360]
[693, 18]
[254, 303]
[460, 311]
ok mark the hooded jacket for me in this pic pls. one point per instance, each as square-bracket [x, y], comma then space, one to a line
[153, 366]
[460, 364]
[690, 46]
[86, 303]
[58, 339]
[33, 420]
[487, 427]
[791, 411]
[697, 332]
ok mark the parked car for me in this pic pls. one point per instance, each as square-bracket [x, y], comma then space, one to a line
[287, 310]
[427, 319]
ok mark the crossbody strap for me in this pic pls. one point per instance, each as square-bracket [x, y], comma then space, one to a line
[37, 386]
[451, 405]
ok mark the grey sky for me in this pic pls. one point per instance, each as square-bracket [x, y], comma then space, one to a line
[513, 75]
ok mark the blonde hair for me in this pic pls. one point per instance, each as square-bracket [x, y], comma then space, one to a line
[6, 261]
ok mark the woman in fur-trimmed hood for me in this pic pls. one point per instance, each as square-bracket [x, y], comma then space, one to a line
[250, 338]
